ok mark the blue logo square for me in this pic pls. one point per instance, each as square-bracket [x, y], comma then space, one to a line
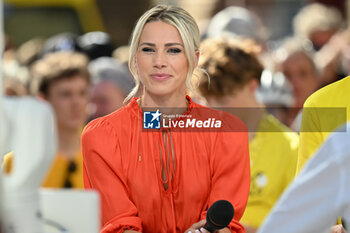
[151, 120]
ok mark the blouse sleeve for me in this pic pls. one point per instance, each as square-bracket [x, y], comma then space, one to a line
[103, 172]
[230, 171]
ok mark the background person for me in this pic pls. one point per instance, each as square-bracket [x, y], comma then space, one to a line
[63, 80]
[299, 68]
[112, 82]
[235, 72]
[318, 23]
[324, 111]
[319, 194]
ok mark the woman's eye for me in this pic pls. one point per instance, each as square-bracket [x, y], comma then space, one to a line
[147, 50]
[174, 50]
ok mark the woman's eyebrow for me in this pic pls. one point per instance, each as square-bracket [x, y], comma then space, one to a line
[172, 44]
[149, 44]
[166, 45]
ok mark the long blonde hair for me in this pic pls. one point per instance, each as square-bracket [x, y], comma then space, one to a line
[183, 22]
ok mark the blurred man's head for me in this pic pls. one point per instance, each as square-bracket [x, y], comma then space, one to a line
[300, 71]
[298, 67]
[112, 82]
[96, 44]
[318, 23]
[237, 22]
[234, 71]
[62, 79]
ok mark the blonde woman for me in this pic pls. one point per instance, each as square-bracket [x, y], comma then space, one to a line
[164, 180]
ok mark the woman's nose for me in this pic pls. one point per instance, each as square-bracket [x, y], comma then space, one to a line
[160, 60]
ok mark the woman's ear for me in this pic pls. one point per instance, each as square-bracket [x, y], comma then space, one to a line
[197, 56]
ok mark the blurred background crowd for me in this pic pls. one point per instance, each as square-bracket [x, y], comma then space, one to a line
[303, 44]
[74, 54]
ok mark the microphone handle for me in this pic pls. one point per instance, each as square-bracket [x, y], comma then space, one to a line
[209, 227]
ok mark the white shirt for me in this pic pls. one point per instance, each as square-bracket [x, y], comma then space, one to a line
[319, 194]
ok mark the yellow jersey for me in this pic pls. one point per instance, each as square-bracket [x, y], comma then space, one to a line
[273, 157]
[323, 112]
[63, 173]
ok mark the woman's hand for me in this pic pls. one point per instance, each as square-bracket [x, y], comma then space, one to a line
[198, 227]
[338, 229]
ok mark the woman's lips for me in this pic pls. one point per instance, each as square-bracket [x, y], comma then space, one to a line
[160, 76]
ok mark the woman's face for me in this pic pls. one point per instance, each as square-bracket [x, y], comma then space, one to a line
[161, 62]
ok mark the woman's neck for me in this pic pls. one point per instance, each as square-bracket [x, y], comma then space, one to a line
[169, 104]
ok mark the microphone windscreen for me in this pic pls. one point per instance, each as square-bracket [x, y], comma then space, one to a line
[220, 214]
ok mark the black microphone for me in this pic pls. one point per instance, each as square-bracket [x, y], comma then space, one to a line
[219, 215]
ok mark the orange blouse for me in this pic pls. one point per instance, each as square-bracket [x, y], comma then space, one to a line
[124, 163]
